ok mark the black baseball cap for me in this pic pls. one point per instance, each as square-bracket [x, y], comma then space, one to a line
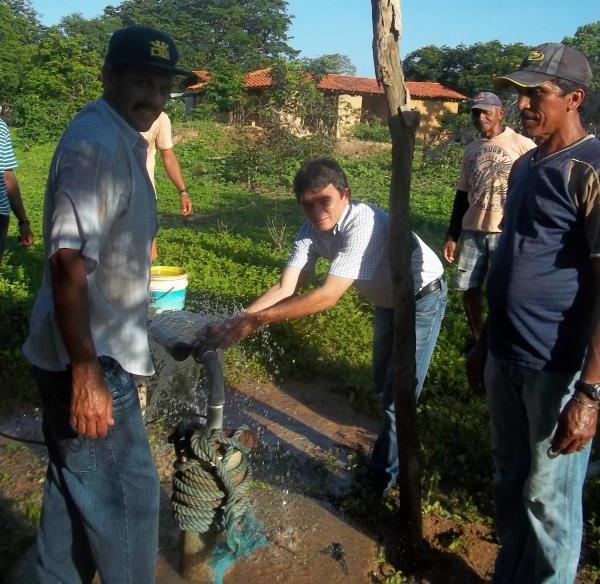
[550, 61]
[144, 46]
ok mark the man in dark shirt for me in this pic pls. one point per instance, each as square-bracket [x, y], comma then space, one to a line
[542, 375]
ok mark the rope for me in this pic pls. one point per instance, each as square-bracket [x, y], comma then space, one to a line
[206, 493]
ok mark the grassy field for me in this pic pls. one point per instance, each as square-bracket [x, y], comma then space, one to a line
[237, 248]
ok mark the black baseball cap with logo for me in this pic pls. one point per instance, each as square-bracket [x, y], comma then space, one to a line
[550, 61]
[144, 46]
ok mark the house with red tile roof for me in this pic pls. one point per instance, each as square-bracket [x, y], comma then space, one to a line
[358, 99]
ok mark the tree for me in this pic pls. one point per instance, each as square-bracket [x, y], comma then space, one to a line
[23, 10]
[62, 77]
[466, 68]
[334, 63]
[94, 33]
[225, 88]
[19, 30]
[587, 40]
[245, 32]
[427, 63]
[387, 29]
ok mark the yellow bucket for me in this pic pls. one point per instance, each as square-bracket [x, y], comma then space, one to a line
[167, 288]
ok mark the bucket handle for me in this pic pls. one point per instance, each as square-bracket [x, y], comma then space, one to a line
[161, 297]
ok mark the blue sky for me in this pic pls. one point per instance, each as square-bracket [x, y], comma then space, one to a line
[344, 26]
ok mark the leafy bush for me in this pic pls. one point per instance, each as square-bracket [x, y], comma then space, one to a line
[271, 155]
[40, 120]
[175, 109]
[372, 132]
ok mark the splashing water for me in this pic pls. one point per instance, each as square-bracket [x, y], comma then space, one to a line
[176, 390]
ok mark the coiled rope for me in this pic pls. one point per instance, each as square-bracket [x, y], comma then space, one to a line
[211, 487]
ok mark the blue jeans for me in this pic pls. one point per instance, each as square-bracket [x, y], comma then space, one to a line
[101, 497]
[429, 312]
[538, 499]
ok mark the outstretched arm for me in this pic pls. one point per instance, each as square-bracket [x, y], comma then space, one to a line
[279, 304]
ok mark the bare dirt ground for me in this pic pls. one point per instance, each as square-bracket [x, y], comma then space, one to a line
[353, 147]
[308, 438]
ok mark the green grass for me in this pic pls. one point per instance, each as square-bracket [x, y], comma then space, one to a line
[232, 256]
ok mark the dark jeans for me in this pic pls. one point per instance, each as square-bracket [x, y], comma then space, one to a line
[101, 497]
[4, 221]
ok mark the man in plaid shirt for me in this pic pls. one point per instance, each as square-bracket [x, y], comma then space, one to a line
[354, 237]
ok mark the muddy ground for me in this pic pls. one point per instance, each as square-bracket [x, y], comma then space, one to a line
[309, 439]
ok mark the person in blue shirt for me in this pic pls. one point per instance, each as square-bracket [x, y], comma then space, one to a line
[542, 375]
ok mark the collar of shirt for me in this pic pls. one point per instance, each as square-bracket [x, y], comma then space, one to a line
[132, 137]
[339, 225]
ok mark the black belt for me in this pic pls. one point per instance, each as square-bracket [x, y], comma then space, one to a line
[431, 287]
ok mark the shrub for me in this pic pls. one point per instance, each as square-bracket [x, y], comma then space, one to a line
[372, 132]
[270, 156]
[175, 109]
[40, 120]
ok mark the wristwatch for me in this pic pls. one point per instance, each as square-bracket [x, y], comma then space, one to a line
[591, 390]
[183, 191]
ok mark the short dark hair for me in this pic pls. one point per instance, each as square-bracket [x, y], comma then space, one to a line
[567, 86]
[317, 173]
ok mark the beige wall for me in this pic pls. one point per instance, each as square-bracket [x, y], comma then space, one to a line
[361, 108]
[349, 113]
[431, 110]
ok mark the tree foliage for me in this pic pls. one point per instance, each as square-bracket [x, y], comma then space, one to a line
[94, 33]
[245, 32]
[466, 68]
[225, 89]
[587, 40]
[18, 39]
[333, 63]
[62, 77]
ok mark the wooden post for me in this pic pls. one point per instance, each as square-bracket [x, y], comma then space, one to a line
[387, 30]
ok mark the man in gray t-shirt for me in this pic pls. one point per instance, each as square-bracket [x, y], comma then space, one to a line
[354, 237]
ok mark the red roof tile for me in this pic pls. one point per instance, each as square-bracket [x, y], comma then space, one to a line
[433, 89]
[203, 77]
[423, 89]
[261, 79]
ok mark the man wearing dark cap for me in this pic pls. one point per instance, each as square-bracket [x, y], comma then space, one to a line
[542, 375]
[88, 327]
[479, 201]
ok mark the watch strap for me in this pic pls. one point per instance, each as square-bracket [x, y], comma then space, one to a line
[591, 390]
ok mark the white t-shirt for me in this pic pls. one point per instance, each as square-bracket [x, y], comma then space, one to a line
[158, 136]
[358, 248]
[99, 201]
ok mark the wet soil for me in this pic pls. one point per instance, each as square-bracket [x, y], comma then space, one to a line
[308, 439]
